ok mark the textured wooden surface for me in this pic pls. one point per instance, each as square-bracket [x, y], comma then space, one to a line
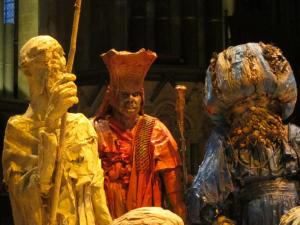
[149, 216]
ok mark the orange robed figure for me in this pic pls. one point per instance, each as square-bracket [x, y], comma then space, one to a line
[139, 155]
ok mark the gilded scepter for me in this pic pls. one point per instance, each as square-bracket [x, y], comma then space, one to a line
[180, 103]
[59, 165]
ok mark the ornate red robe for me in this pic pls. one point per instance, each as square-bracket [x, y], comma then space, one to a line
[132, 160]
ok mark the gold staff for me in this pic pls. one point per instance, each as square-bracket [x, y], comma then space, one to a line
[59, 168]
[180, 103]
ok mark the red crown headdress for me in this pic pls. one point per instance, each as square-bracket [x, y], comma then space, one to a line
[127, 70]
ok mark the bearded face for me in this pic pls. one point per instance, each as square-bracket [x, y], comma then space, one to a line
[255, 127]
[56, 67]
[44, 67]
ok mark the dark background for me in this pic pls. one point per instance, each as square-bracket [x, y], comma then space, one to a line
[184, 33]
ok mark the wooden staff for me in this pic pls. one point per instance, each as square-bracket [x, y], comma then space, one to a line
[180, 103]
[59, 166]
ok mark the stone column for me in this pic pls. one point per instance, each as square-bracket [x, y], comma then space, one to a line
[1, 49]
[201, 34]
[28, 28]
[7, 55]
[190, 32]
[137, 28]
[175, 29]
[214, 27]
[120, 22]
[8, 60]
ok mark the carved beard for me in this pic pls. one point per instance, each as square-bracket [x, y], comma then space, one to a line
[54, 74]
[256, 127]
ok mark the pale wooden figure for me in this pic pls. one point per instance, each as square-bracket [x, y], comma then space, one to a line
[292, 217]
[31, 140]
[149, 216]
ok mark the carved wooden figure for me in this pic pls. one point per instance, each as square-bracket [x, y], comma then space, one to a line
[31, 140]
[138, 152]
[250, 173]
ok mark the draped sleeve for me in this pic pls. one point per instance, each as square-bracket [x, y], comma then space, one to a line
[83, 169]
[213, 182]
[164, 147]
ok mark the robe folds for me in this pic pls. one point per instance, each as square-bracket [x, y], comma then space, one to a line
[132, 162]
[29, 160]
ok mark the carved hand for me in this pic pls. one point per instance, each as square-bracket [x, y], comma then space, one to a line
[62, 97]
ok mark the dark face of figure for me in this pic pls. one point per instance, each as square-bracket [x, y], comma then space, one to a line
[128, 104]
